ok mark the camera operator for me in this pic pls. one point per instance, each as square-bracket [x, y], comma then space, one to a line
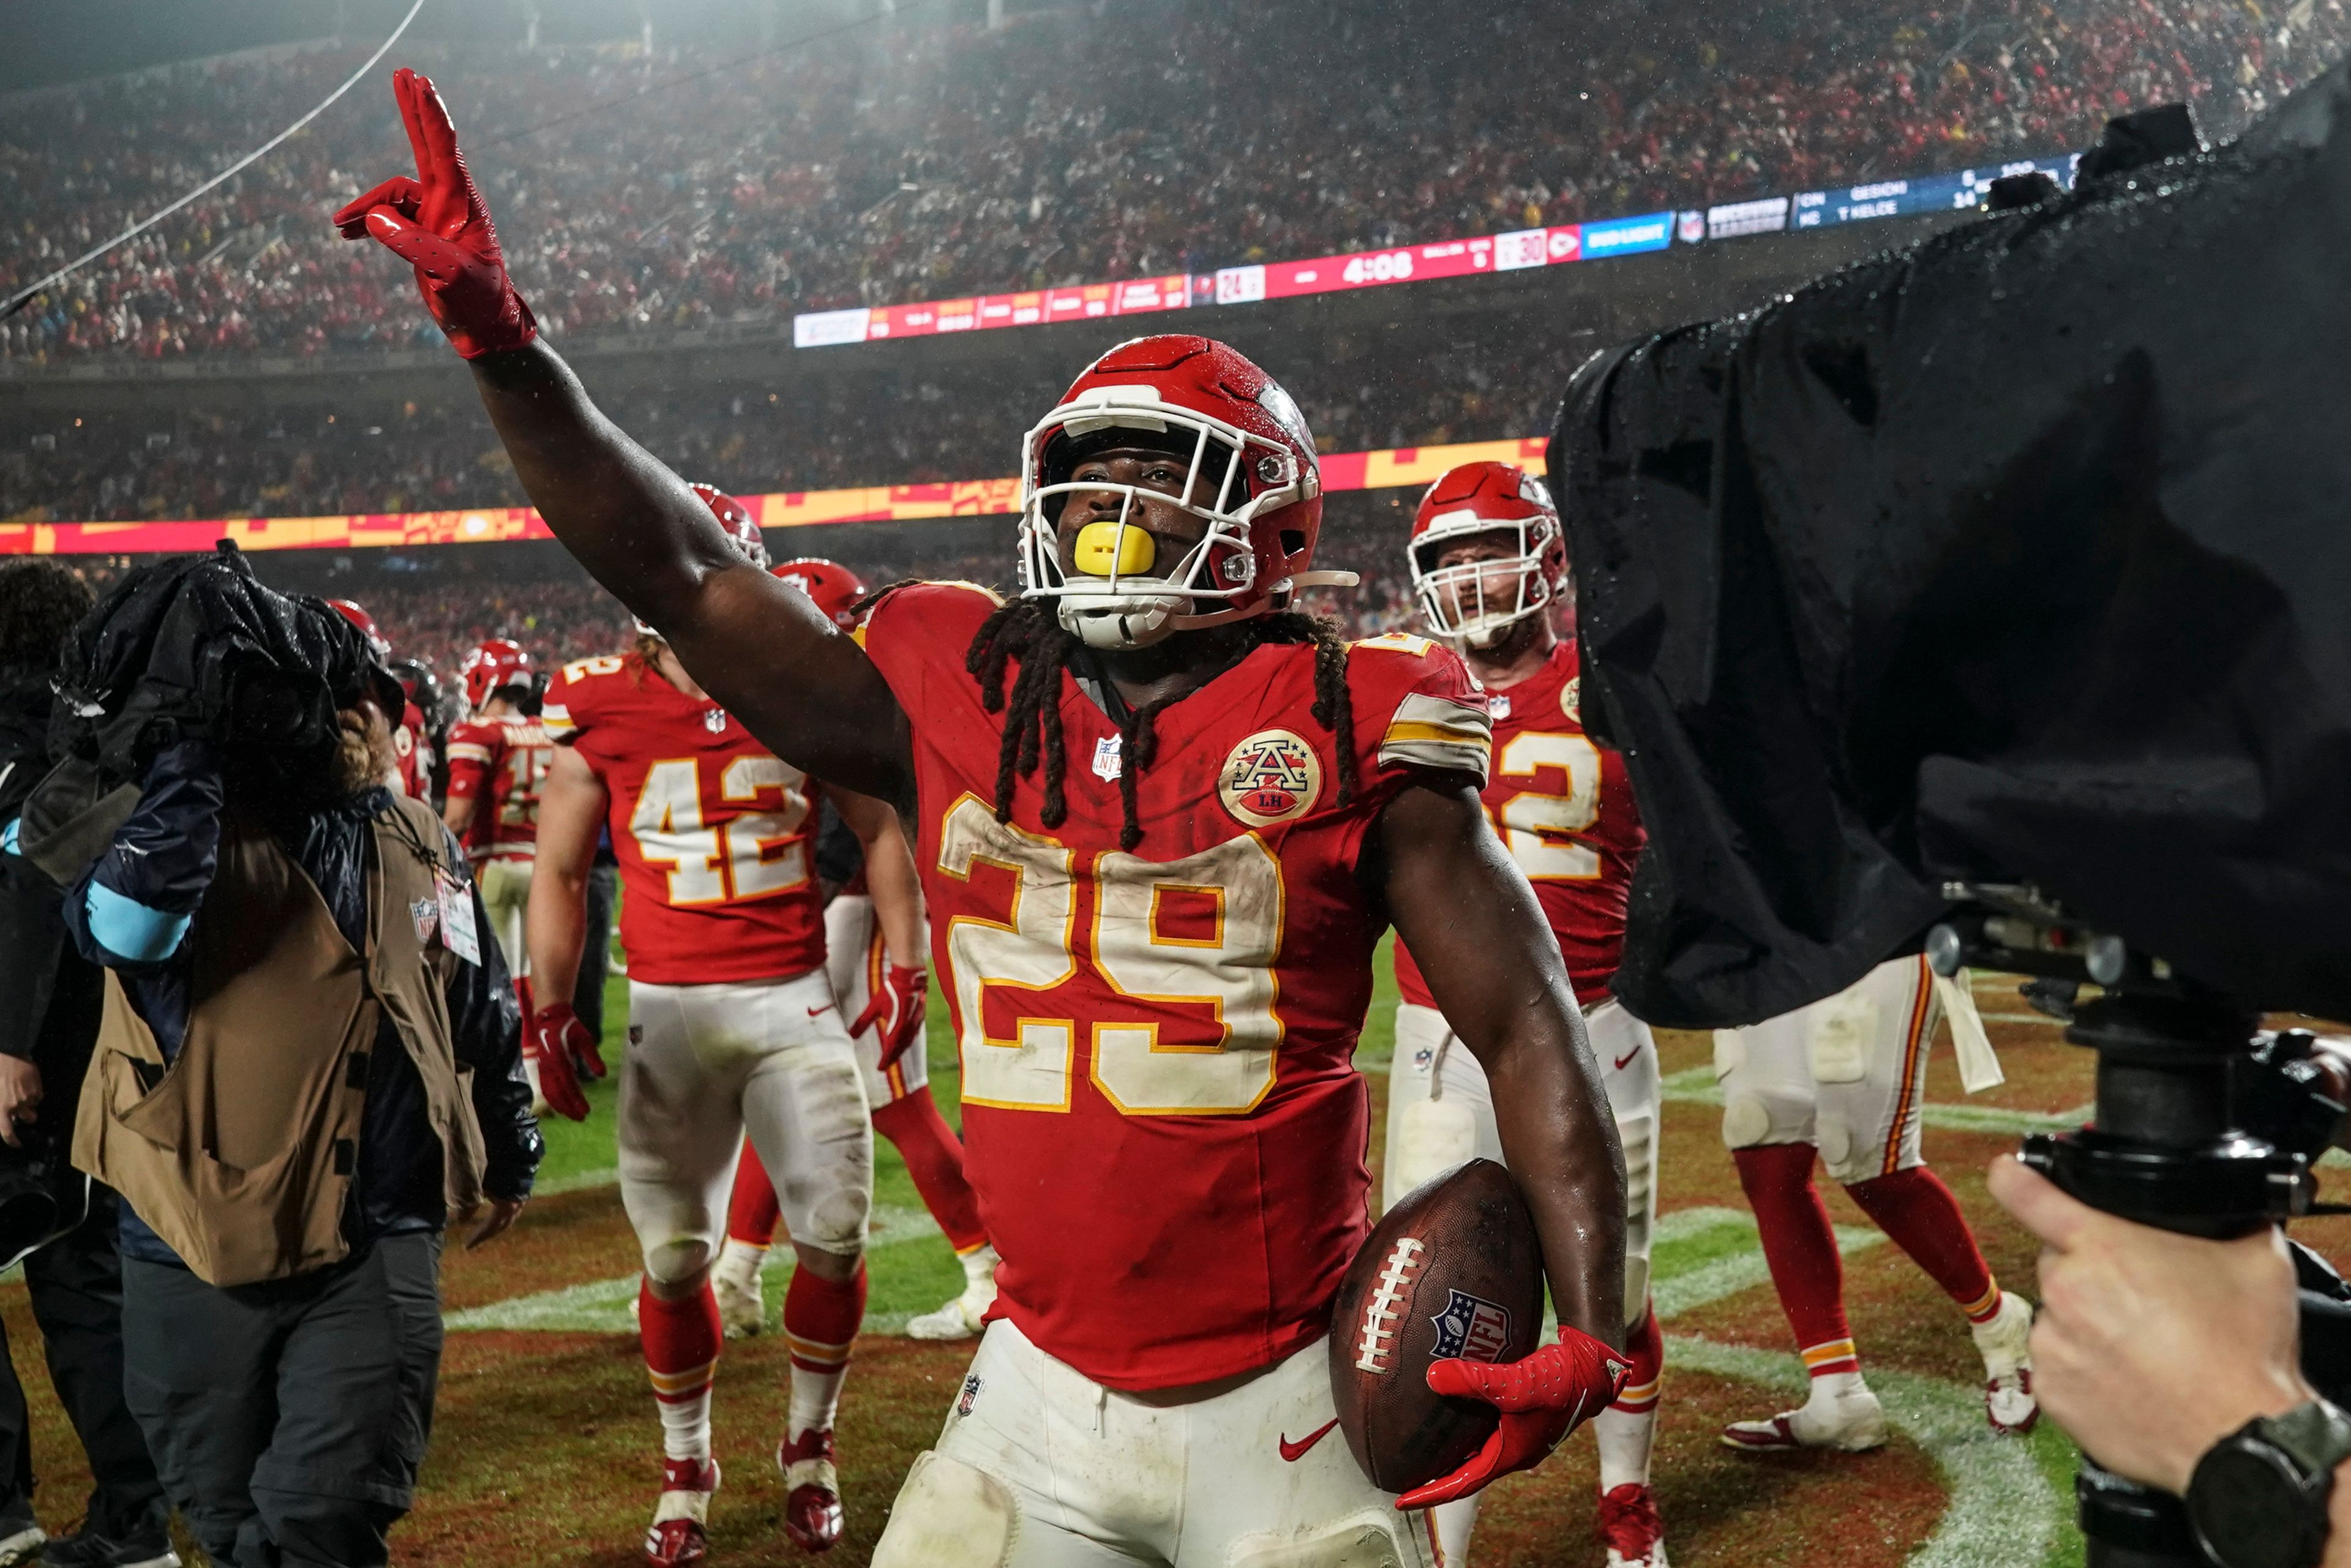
[309, 1063]
[49, 1017]
[2175, 1362]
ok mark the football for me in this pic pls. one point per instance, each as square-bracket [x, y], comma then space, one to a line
[1454, 1269]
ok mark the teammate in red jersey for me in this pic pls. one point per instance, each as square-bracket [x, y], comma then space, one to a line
[732, 1028]
[1161, 824]
[497, 760]
[883, 995]
[411, 741]
[1489, 561]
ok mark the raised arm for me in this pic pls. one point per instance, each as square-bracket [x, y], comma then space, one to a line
[804, 688]
[1464, 908]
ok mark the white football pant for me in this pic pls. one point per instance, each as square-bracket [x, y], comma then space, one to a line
[705, 1065]
[1846, 1074]
[1441, 1113]
[504, 882]
[1040, 1467]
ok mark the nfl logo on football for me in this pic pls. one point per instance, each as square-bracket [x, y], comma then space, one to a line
[1472, 1329]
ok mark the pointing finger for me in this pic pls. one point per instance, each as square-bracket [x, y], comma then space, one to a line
[403, 88]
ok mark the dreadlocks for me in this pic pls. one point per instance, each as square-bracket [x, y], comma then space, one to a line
[1027, 630]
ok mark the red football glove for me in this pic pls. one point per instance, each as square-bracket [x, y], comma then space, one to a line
[438, 225]
[1542, 1398]
[562, 1047]
[898, 1008]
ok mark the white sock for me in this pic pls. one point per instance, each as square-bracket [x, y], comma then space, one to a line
[1624, 1438]
[978, 1267]
[685, 1426]
[815, 1396]
[1828, 1388]
[741, 1260]
[1455, 1521]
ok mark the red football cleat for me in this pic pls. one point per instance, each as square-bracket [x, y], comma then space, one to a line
[679, 1536]
[813, 1514]
[1630, 1528]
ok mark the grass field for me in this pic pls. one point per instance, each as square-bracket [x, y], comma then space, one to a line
[546, 1447]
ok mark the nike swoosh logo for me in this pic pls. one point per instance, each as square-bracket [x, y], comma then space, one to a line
[1293, 1452]
[1626, 1059]
[826, 1008]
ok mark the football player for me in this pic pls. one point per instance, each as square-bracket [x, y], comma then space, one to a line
[885, 1001]
[1840, 1082]
[412, 742]
[733, 1027]
[498, 759]
[1487, 562]
[1162, 823]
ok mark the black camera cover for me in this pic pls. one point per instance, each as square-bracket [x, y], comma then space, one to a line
[2023, 554]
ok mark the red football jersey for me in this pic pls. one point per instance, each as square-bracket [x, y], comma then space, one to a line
[1563, 806]
[1162, 1117]
[410, 744]
[499, 762]
[716, 837]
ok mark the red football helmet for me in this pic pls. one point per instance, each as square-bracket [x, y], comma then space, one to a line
[736, 519]
[377, 642]
[833, 588]
[742, 531]
[1477, 600]
[1252, 478]
[492, 667]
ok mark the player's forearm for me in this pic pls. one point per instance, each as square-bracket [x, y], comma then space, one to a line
[891, 880]
[628, 520]
[555, 924]
[457, 815]
[1561, 1143]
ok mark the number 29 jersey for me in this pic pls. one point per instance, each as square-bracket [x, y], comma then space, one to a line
[715, 835]
[1162, 1118]
[1563, 806]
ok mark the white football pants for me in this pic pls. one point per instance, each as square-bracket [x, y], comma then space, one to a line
[1041, 1467]
[852, 957]
[1846, 1074]
[708, 1064]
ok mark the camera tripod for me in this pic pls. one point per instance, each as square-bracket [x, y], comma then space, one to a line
[2170, 1144]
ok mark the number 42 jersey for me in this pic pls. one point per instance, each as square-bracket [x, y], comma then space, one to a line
[714, 834]
[1162, 1117]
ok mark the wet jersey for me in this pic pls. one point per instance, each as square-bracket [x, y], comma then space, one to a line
[1562, 804]
[715, 836]
[1162, 1117]
[499, 762]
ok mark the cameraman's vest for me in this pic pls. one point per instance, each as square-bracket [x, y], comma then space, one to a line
[240, 1152]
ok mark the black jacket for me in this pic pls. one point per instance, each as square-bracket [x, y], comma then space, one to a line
[49, 1000]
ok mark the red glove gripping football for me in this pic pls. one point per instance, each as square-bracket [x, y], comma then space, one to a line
[898, 1007]
[438, 225]
[563, 1049]
[1542, 1398]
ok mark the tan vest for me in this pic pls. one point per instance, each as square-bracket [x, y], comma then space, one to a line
[241, 1151]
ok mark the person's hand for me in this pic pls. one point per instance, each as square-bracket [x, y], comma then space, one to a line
[499, 1219]
[1542, 1398]
[555, 1038]
[557, 1020]
[437, 223]
[897, 1006]
[2150, 1346]
[20, 1098]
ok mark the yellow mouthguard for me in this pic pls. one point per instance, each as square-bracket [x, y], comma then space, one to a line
[1105, 547]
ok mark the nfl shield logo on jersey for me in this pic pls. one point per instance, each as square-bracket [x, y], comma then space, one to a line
[1272, 776]
[1108, 760]
[714, 719]
[1472, 1329]
[971, 1387]
[1498, 706]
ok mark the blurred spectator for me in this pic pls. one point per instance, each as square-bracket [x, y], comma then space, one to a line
[925, 162]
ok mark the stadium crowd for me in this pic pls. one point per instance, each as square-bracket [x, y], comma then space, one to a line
[322, 458]
[926, 160]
